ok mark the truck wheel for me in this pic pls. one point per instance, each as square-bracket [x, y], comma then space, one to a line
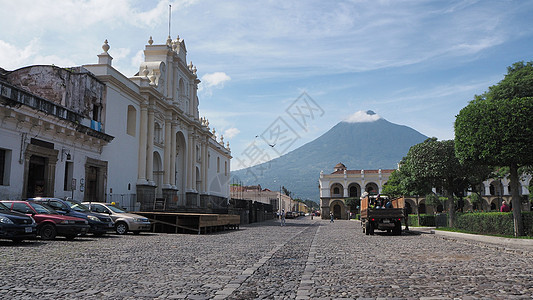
[397, 229]
[366, 229]
[371, 228]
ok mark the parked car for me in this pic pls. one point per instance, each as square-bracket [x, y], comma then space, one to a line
[124, 221]
[49, 222]
[99, 224]
[16, 226]
[289, 215]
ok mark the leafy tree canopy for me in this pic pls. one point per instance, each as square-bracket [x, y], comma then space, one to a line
[518, 83]
[496, 132]
[434, 162]
[496, 128]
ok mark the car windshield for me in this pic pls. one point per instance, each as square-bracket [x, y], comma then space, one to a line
[116, 209]
[41, 209]
[3, 207]
[77, 206]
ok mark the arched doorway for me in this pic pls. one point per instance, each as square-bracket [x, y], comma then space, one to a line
[422, 208]
[158, 174]
[336, 190]
[372, 188]
[181, 170]
[408, 207]
[354, 190]
[198, 180]
[338, 209]
[496, 188]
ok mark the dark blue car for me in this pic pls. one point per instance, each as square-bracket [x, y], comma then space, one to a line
[16, 226]
[100, 224]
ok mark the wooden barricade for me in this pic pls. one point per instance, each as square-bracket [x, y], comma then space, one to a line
[170, 222]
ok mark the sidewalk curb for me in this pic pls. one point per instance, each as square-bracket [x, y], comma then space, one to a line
[523, 244]
[493, 240]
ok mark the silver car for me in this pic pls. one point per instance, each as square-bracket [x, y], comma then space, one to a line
[124, 221]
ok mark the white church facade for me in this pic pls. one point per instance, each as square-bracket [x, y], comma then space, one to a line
[93, 134]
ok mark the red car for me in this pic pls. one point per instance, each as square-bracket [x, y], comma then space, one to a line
[49, 222]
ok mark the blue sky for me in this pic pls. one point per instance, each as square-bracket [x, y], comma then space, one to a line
[415, 63]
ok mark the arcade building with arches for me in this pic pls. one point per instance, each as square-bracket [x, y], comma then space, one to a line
[337, 188]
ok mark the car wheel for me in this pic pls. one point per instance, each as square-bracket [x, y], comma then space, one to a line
[121, 228]
[48, 232]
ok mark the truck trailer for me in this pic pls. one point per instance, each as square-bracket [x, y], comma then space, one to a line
[380, 212]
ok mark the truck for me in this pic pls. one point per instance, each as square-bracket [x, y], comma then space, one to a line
[377, 215]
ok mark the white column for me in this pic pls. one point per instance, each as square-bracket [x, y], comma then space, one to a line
[173, 157]
[150, 147]
[190, 160]
[141, 163]
[204, 166]
[168, 151]
[486, 185]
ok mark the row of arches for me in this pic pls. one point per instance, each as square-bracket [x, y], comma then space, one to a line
[487, 204]
[354, 189]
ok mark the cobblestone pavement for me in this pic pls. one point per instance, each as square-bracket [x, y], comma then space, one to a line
[307, 259]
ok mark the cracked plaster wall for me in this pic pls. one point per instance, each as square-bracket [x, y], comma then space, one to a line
[73, 88]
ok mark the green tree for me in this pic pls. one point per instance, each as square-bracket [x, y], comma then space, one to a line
[476, 199]
[432, 199]
[394, 187]
[434, 162]
[352, 203]
[403, 183]
[496, 129]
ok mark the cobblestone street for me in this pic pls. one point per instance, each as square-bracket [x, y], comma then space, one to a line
[307, 259]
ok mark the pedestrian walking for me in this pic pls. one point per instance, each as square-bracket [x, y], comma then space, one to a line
[505, 207]
[331, 217]
[282, 217]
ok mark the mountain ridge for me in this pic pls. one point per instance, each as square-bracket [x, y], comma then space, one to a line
[378, 144]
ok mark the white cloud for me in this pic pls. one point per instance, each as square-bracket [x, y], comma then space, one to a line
[231, 132]
[212, 80]
[137, 59]
[120, 53]
[11, 56]
[215, 79]
[363, 116]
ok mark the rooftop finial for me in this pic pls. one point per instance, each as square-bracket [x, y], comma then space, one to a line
[150, 41]
[105, 46]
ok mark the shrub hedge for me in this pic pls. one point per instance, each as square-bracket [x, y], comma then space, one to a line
[493, 222]
[425, 220]
[481, 222]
